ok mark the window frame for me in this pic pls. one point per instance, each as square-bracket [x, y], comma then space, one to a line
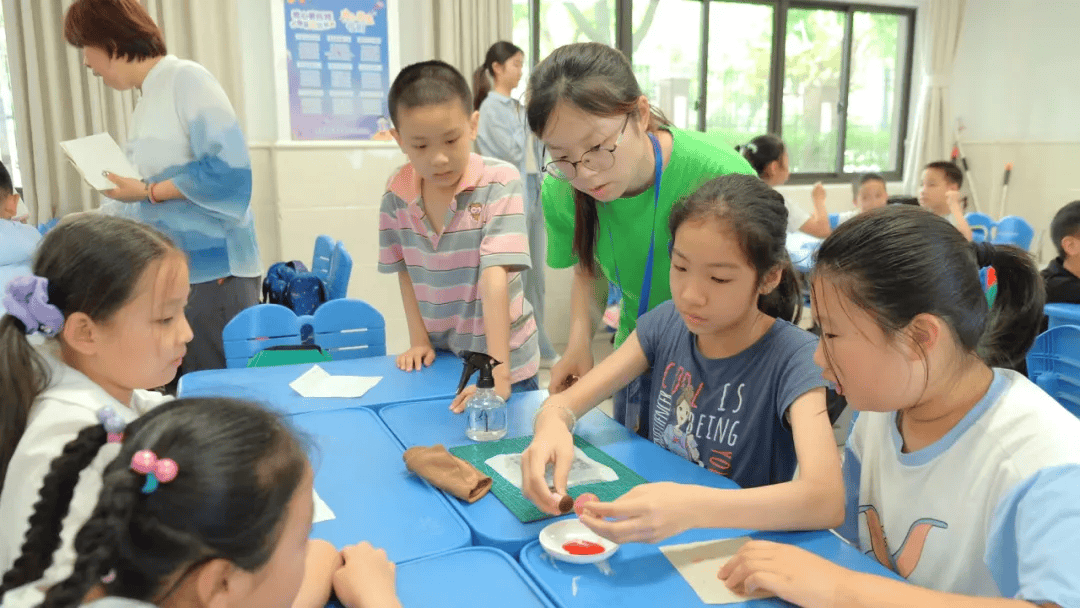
[624, 38]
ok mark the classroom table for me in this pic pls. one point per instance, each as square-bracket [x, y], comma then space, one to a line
[270, 385]
[640, 575]
[801, 248]
[431, 422]
[476, 577]
[360, 474]
[1062, 314]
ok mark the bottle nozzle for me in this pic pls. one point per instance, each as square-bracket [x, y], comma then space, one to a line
[478, 361]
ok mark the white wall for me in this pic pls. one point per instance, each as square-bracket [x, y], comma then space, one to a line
[1014, 88]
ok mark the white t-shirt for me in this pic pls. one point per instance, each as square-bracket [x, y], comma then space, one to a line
[991, 509]
[70, 404]
[796, 216]
[844, 216]
[31, 596]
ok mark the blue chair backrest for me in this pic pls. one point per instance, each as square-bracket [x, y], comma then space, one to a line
[1014, 230]
[834, 220]
[340, 271]
[1062, 314]
[982, 226]
[256, 328]
[1054, 364]
[350, 329]
[320, 261]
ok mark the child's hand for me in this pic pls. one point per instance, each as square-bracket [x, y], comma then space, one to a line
[952, 198]
[128, 189]
[573, 364]
[649, 513]
[416, 358]
[502, 389]
[367, 580]
[323, 559]
[552, 442]
[794, 574]
[818, 194]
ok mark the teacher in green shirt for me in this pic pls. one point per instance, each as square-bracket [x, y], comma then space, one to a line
[617, 166]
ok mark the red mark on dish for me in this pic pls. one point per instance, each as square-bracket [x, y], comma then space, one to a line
[583, 547]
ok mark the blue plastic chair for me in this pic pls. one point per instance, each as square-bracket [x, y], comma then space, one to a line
[337, 282]
[982, 226]
[47, 226]
[350, 329]
[834, 220]
[320, 261]
[1014, 230]
[256, 328]
[1060, 314]
[1054, 364]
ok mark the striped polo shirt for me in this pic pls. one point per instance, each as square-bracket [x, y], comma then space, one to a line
[485, 226]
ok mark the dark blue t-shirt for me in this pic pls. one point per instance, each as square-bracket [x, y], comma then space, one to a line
[727, 415]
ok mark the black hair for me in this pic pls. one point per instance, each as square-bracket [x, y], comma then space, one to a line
[761, 151]
[239, 466]
[500, 52]
[1066, 222]
[757, 216]
[7, 187]
[903, 199]
[428, 83]
[598, 80]
[864, 178]
[898, 262]
[952, 172]
[93, 263]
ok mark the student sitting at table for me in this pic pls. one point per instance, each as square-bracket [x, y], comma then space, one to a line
[452, 226]
[734, 385]
[940, 193]
[191, 512]
[962, 477]
[1062, 275]
[869, 191]
[19, 240]
[768, 155]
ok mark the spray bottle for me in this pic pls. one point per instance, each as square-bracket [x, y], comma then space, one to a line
[486, 410]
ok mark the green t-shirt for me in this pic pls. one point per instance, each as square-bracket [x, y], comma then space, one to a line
[625, 223]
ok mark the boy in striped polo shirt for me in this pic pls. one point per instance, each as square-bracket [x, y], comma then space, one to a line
[452, 226]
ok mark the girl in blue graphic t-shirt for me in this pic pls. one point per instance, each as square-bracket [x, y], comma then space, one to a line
[734, 387]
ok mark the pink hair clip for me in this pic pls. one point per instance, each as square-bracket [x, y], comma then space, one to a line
[156, 471]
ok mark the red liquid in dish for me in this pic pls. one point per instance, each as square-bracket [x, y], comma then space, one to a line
[583, 547]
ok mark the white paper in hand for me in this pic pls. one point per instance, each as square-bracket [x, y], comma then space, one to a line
[699, 564]
[96, 154]
[317, 383]
[322, 510]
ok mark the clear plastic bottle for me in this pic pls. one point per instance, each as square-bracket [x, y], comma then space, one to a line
[487, 415]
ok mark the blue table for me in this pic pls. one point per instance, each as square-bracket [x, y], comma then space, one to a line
[361, 476]
[801, 248]
[1062, 314]
[477, 577]
[641, 575]
[492, 524]
[270, 385]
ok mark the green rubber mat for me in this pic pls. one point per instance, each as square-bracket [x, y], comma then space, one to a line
[512, 497]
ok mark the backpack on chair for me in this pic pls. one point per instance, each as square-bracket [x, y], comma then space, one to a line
[293, 286]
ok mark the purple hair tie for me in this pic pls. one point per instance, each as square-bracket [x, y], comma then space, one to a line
[27, 299]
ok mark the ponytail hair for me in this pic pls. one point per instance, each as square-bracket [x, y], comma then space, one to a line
[761, 151]
[757, 216]
[484, 76]
[93, 263]
[238, 468]
[598, 80]
[899, 261]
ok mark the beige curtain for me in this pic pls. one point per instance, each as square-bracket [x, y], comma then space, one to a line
[932, 134]
[464, 29]
[56, 98]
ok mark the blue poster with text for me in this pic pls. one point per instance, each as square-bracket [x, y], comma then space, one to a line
[338, 68]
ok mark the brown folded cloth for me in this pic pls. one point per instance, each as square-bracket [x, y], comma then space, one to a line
[447, 472]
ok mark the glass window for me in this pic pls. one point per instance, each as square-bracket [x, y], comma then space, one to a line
[8, 151]
[740, 52]
[570, 21]
[874, 98]
[666, 66]
[814, 45]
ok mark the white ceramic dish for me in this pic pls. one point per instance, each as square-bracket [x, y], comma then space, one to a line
[554, 536]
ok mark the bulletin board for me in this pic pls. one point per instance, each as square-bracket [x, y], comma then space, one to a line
[338, 68]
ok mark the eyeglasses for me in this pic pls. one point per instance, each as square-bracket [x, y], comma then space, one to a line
[597, 158]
